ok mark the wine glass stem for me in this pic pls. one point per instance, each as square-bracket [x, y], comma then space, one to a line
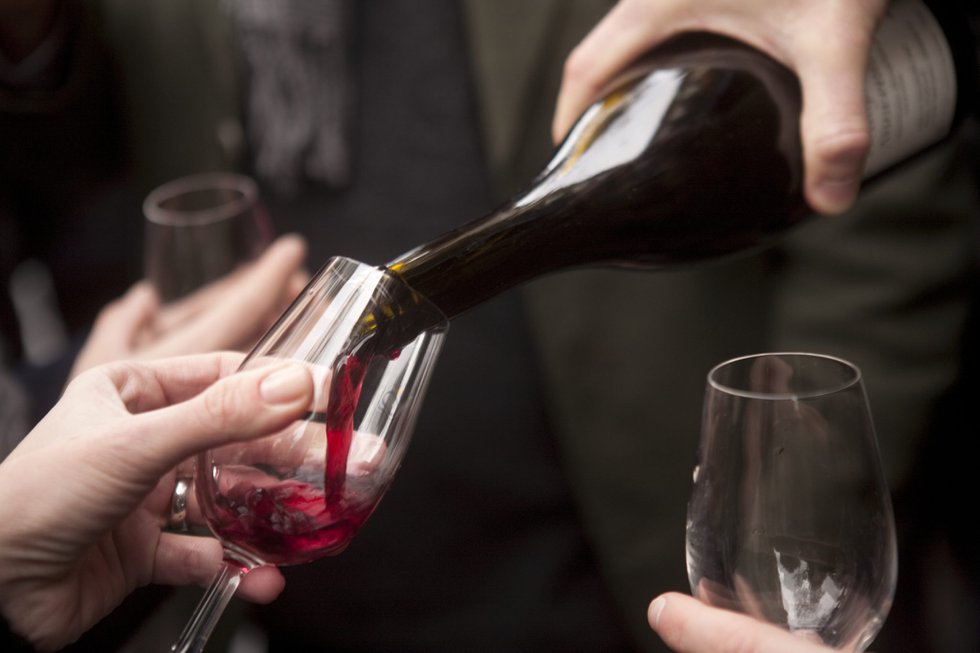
[208, 611]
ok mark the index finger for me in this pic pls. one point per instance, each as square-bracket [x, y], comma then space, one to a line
[148, 385]
[620, 37]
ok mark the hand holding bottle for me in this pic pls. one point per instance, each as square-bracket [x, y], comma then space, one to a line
[694, 150]
[826, 44]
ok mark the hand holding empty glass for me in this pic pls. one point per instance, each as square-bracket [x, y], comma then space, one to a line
[790, 519]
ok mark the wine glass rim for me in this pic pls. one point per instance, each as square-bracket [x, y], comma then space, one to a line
[848, 382]
[247, 195]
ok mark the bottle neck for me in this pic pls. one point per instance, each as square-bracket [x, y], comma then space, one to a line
[470, 265]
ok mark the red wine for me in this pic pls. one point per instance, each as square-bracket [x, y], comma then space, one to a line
[696, 156]
[290, 522]
[345, 389]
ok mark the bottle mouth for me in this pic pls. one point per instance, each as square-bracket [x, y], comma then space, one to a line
[396, 280]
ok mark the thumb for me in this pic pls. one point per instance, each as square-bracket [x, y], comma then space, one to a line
[238, 407]
[834, 124]
[688, 626]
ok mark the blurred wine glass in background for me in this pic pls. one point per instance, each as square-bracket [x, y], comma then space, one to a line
[200, 228]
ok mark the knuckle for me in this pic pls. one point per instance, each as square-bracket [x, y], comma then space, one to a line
[684, 633]
[740, 634]
[847, 144]
[740, 641]
[222, 405]
[577, 69]
[109, 312]
[202, 563]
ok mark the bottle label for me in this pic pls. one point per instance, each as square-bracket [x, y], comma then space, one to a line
[911, 85]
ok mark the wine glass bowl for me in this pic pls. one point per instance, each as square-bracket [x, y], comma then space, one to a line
[199, 228]
[369, 342]
[790, 518]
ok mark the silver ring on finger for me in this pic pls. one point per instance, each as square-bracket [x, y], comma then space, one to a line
[178, 506]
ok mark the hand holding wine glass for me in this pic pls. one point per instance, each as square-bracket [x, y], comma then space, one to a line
[369, 342]
[229, 313]
[790, 519]
[109, 446]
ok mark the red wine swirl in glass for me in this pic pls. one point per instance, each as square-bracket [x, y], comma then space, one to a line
[370, 343]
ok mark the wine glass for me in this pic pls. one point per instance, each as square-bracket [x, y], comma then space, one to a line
[199, 228]
[790, 518]
[370, 343]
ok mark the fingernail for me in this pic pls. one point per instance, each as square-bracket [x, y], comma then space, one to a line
[656, 608]
[285, 385]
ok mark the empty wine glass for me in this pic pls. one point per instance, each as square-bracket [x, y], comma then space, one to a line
[790, 519]
[370, 343]
[200, 228]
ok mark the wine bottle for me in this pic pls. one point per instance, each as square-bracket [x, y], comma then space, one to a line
[695, 155]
